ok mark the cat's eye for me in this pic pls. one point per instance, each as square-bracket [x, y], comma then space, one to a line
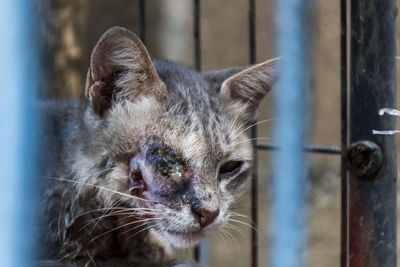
[230, 168]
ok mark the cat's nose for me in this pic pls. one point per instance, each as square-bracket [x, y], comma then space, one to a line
[206, 217]
[202, 215]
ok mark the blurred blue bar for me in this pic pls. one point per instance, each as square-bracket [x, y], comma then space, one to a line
[19, 76]
[204, 252]
[289, 187]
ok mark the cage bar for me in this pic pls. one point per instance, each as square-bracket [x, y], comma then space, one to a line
[196, 34]
[142, 20]
[310, 149]
[19, 78]
[253, 133]
[288, 207]
[372, 196]
[202, 251]
[344, 135]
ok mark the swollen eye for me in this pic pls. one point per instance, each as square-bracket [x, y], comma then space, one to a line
[230, 167]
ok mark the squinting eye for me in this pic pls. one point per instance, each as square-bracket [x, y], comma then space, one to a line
[230, 168]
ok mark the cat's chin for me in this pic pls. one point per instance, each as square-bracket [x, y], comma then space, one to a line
[180, 239]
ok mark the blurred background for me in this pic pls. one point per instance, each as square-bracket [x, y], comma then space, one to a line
[70, 29]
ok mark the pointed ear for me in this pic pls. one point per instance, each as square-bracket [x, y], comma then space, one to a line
[248, 87]
[215, 78]
[120, 68]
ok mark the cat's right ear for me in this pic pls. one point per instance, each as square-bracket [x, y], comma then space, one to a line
[120, 68]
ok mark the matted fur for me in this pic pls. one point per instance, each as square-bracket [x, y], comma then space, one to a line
[91, 209]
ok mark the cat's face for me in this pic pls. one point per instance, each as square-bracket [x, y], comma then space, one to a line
[176, 139]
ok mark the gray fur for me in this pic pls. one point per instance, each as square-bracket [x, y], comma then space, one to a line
[93, 152]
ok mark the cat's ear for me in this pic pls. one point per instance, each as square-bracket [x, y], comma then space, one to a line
[120, 68]
[245, 89]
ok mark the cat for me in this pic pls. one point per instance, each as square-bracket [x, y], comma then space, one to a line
[153, 156]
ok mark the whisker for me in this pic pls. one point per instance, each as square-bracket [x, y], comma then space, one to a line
[222, 237]
[94, 210]
[112, 208]
[237, 229]
[239, 215]
[90, 260]
[231, 236]
[102, 171]
[254, 124]
[237, 116]
[117, 211]
[98, 219]
[144, 222]
[246, 224]
[147, 228]
[98, 187]
[147, 237]
[113, 229]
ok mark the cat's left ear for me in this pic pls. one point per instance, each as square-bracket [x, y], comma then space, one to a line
[249, 86]
[244, 88]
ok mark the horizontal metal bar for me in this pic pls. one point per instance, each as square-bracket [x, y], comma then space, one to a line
[311, 149]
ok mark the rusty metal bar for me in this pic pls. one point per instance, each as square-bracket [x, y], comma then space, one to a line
[372, 187]
[254, 180]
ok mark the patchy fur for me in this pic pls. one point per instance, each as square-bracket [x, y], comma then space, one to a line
[152, 158]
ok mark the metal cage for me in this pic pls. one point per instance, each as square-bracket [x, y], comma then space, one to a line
[368, 165]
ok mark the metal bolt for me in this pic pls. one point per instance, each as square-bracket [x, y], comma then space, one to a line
[364, 159]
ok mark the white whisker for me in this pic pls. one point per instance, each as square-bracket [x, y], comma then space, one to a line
[144, 222]
[116, 228]
[237, 229]
[98, 187]
[147, 228]
[237, 116]
[254, 124]
[239, 215]
[246, 224]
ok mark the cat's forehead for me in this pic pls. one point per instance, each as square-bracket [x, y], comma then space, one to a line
[188, 95]
[173, 74]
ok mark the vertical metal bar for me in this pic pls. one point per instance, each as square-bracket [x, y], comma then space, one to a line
[343, 170]
[254, 181]
[19, 76]
[373, 200]
[142, 18]
[196, 32]
[201, 252]
[288, 207]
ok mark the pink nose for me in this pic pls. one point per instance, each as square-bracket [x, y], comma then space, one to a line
[206, 217]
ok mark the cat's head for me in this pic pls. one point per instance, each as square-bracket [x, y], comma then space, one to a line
[173, 139]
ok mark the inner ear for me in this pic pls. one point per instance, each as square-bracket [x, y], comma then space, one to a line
[248, 87]
[120, 68]
[215, 78]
